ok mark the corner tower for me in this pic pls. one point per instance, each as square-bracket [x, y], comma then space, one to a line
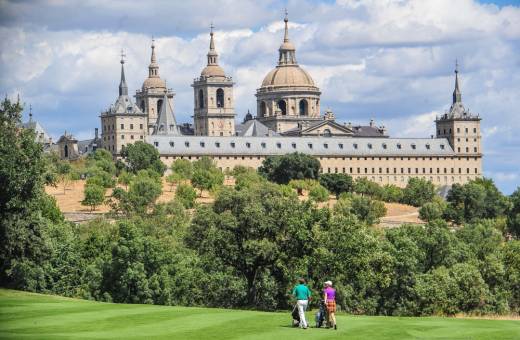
[151, 96]
[123, 123]
[459, 126]
[214, 112]
[288, 96]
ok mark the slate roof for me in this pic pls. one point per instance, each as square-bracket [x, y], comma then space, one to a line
[253, 128]
[166, 123]
[323, 146]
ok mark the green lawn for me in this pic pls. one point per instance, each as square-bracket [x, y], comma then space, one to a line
[26, 315]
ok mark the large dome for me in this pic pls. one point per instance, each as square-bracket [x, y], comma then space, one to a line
[288, 75]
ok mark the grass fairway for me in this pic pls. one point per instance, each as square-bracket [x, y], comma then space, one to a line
[34, 316]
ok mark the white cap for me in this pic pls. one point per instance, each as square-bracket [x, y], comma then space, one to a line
[328, 283]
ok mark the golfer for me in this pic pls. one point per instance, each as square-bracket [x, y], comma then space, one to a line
[329, 296]
[302, 294]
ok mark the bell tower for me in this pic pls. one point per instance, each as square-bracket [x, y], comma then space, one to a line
[214, 112]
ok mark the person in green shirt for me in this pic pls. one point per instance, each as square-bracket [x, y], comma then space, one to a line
[302, 294]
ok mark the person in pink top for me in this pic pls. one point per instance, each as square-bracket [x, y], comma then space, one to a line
[329, 296]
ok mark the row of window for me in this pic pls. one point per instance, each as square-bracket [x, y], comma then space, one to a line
[458, 131]
[105, 138]
[399, 146]
[403, 170]
[111, 127]
[324, 158]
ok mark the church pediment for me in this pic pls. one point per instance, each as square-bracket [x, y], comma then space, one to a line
[325, 128]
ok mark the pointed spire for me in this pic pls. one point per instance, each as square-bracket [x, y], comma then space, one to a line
[286, 20]
[457, 96]
[123, 88]
[30, 113]
[166, 123]
[287, 52]
[153, 68]
[212, 54]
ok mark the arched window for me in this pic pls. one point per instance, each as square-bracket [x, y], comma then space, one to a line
[159, 105]
[303, 107]
[142, 105]
[66, 151]
[282, 106]
[201, 99]
[263, 109]
[327, 133]
[220, 98]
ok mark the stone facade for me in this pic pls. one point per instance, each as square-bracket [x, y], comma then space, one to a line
[289, 120]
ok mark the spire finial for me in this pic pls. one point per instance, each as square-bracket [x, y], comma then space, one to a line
[212, 54]
[286, 20]
[457, 96]
[30, 112]
[123, 88]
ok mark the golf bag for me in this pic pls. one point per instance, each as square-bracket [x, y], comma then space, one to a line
[295, 316]
[321, 315]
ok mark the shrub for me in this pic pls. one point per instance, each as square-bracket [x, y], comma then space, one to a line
[283, 169]
[186, 195]
[94, 195]
[319, 193]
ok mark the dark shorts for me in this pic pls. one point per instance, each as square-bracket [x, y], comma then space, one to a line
[331, 306]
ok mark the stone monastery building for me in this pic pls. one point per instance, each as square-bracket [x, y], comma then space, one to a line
[288, 120]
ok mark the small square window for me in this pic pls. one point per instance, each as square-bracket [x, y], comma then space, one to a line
[202, 144]
[413, 146]
[294, 145]
[442, 146]
[369, 146]
[278, 145]
[156, 144]
[263, 145]
[232, 144]
[172, 144]
[326, 146]
[340, 145]
[427, 146]
[310, 145]
[187, 144]
[217, 144]
[399, 146]
[355, 146]
[384, 146]
[248, 145]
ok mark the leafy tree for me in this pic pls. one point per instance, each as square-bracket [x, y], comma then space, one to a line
[102, 159]
[476, 199]
[337, 183]
[319, 193]
[172, 179]
[366, 187]
[418, 191]
[94, 195]
[513, 215]
[391, 193]
[246, 177]
[142, 156]
[63, 170]
[364, 208]
[22, 225]
[207, 179]
[511, 253]
[186, 195]
[125, 178]
[183, 168]
[433, 210]
[143, 192]
[283, 169]
[100, 177]
[243, 229]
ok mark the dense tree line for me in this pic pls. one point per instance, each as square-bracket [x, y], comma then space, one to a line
[246, 248]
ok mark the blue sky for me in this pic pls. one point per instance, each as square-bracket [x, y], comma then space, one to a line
[389, 60]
